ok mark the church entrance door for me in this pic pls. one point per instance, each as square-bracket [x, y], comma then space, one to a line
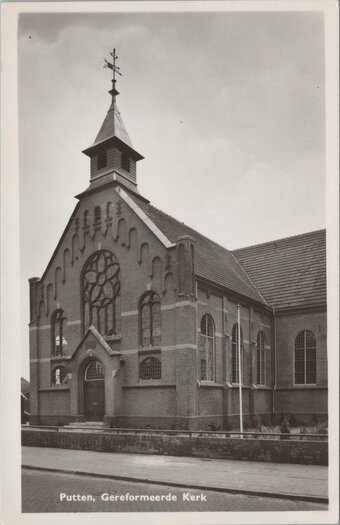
[94, 391]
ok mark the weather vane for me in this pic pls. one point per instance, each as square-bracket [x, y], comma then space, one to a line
[115, 69]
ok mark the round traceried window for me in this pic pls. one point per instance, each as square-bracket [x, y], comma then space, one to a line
[100, 292]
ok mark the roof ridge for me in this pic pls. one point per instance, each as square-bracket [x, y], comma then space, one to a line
[219, 246]
[278, 240]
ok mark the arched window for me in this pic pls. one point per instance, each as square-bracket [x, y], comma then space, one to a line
[101, 160]
[150, 320]
[150, 368]
[109, 210]
[94, 371]
[235, 354]
[207, 348]
[58, 329]
[261, 359]
[86, 222]
[97, 215]
[100, 283]
[59, 376]
[305, 358]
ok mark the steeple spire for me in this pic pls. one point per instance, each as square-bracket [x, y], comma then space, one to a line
[112, 154]
[115, 69]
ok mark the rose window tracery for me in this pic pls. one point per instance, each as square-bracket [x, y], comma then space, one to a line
[100, 292]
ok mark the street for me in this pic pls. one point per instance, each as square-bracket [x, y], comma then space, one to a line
[60, 492]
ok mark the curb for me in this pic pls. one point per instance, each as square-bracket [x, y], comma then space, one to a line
[300, 497]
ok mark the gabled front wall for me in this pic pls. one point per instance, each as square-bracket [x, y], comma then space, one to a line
[145, 264]
[180, 399]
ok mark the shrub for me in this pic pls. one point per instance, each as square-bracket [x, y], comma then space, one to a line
[292, 421]
[258, 422]
[213, 427]
[284, 428]
[314, 419]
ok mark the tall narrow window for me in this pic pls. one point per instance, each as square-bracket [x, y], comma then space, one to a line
[207, 348]
[150, 368]
[109, 210]
[58, 376]
[125, 161]
[97, 215]
[100, 292]
[305, 358]
[261, 359]
[86, 222]
[101, 160]
[150, 320]
[58, 329]
[235, 354]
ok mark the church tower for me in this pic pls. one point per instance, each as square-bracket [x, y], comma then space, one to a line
[113, 157]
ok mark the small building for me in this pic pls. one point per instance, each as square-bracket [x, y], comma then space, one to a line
[24, 400]
[141, 321]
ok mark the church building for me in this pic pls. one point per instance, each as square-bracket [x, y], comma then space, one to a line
[140, 321]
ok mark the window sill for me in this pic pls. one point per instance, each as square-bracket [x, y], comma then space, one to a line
[237, 385]
[149, 381]
[312, 386]
[153, 383]
[261, 387]
[54, 388]
[303, 387]
[60, 357]
[210, 384]
[114, 337]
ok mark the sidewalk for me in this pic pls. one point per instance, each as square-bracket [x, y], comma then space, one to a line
[306, 482]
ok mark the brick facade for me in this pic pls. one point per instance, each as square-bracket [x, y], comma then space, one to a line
[157, 254]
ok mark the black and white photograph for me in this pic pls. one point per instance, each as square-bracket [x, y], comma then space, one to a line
[170, 262]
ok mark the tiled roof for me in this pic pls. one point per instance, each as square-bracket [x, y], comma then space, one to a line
[212, 261]
[289, 272]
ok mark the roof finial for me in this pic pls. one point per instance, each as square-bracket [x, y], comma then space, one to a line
[115, 69]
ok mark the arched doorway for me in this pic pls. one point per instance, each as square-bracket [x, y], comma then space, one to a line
[94, 391]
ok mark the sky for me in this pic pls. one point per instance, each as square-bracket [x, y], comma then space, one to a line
[228, 109]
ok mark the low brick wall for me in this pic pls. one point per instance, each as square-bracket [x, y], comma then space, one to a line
[305, 452]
